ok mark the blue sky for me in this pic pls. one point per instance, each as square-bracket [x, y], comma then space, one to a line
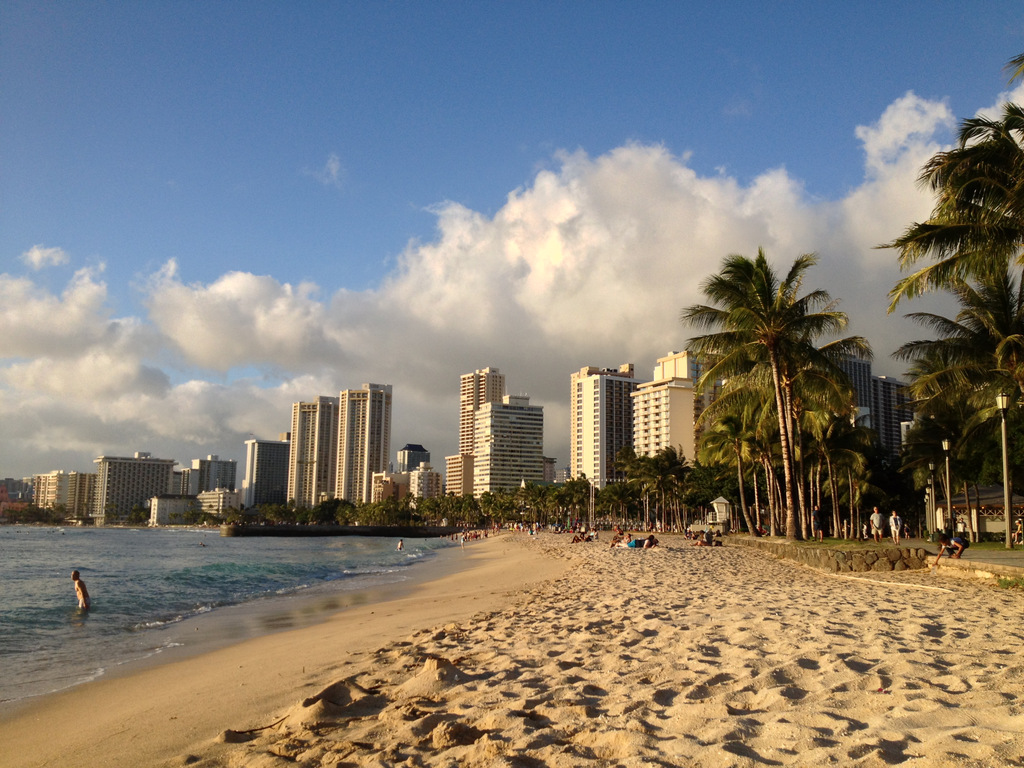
[363, 182]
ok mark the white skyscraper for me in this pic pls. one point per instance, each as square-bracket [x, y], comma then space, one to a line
[125, 482]
[600, 421]
[509, 445]
[486, 385]
[364, 439]
[313, 453]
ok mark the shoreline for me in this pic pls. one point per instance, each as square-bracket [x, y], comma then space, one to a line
[154, 708]
[544, 652]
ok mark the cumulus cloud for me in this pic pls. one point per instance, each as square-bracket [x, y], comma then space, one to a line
[589, 264]
[38, 257]
[241, 319]
[35, 321]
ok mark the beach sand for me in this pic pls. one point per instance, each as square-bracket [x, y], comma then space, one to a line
[676, 656]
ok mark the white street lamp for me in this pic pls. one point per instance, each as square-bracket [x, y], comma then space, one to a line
[949, 488]
[1002, 402]
[931, 494]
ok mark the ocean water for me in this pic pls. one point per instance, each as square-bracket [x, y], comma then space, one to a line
[152, 591]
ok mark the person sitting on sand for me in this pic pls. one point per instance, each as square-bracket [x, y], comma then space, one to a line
[625, 541]
[706, 539]
[955, 546]
[80, 591]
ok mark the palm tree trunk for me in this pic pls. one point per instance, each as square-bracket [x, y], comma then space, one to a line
[792, 532]
[757, 497]
[743, 497]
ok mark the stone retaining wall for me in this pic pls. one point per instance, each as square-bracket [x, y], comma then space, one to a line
[839, 560]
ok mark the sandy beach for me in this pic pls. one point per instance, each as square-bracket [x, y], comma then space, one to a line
[543, 652]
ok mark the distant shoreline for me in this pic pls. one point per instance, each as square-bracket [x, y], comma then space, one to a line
[384, 531]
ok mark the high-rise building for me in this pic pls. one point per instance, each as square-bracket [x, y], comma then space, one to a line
[600, 421]
[458, 473]
[476, 389]
[549, 469]
[266, 472]
[486, 385]
[50, 489]
[508, 445]
[664, 409]
[889, 400]
[210, 474]
[858, 370]
[364, 439]
[81, 494]
[313, 452]
[881, 403]
[123, 482]
[424, 482]
[411, 456]
[75, 491]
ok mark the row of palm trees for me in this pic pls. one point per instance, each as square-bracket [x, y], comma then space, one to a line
[786, 405]
[786, 410]
[972, 249]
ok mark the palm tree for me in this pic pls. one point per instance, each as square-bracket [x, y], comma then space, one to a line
[729, 440]
[977, 224]
[981, 351]
[761, 320]
[1016, 68]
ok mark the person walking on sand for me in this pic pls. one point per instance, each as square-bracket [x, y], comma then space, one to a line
[895, 527]
[80, 591]
[877, 525]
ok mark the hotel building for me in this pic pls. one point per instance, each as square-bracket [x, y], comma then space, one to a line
[210, 474]
[424, 482]
[266, 472]
[600, 421]
[483, 386]
[364, 440]
[313, 451]
[508, 445]
[665, 408]
[124, 482]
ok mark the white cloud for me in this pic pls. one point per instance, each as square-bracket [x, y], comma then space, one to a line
[590, 264]
[38, 257]
[37, 322]
[908, 121]
[331, 174]
[241, 320]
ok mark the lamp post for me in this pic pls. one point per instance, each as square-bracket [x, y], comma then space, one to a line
[934, 512]
[1002, 402]
[949, 490]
